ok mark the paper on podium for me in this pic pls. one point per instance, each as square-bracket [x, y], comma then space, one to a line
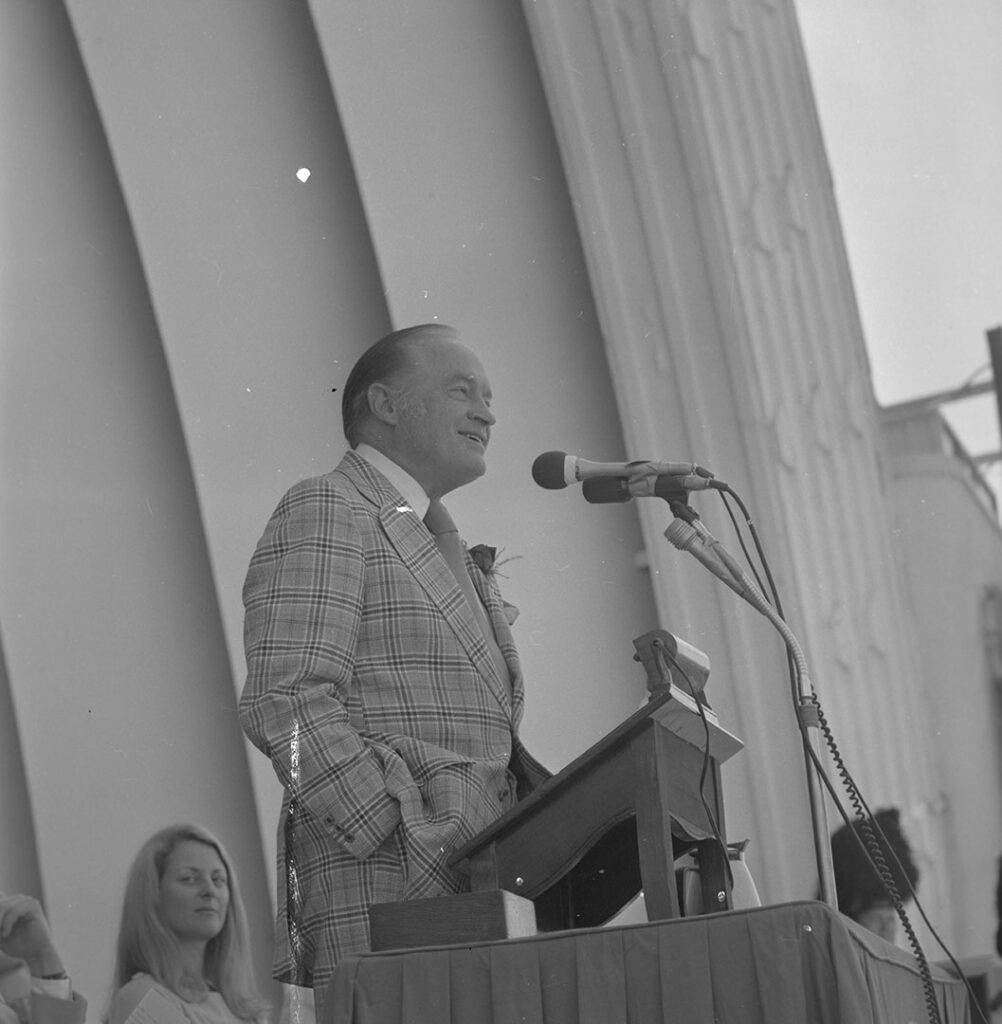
[681, 716]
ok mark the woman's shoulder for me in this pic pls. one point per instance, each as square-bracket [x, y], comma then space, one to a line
[163, 1007]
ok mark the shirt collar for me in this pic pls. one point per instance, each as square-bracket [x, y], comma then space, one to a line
[410, 490]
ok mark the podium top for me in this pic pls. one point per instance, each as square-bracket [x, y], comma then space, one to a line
[682, 716]
[640, 720]
[667, 709]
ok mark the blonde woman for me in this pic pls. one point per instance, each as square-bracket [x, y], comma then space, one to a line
[182, 945]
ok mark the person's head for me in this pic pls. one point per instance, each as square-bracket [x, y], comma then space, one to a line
[423, 399]
[182, 894]
[861, 894]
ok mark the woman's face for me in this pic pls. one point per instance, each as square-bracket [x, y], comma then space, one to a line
[194, 892]
[882, 919]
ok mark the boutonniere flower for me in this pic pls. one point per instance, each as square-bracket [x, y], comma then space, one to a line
[486, 560]
[485, 557]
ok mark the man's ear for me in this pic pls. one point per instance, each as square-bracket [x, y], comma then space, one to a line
[383, 403]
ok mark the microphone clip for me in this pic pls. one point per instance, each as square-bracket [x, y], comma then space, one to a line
[661, 653]
[601, 490]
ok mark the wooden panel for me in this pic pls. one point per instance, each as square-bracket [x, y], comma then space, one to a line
[465, 917]
[584, 843]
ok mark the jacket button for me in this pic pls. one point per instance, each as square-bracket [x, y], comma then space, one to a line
[346, 836]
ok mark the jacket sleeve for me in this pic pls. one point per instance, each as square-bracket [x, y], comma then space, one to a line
[303, 603]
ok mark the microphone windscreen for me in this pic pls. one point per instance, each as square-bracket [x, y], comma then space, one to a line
[601, 490]
[548, 470]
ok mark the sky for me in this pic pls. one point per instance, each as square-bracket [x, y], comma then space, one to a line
[909, 95]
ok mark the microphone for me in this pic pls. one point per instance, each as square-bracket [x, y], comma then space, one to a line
[700, 543]
[606, 489]
[555, 470]
[686, 537]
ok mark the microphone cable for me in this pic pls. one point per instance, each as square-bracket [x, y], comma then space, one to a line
[869, 826]
[705, 767]
[756, 594]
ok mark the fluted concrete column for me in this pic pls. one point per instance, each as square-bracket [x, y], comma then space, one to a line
[704, 202]
[243, 204]
[114, 646]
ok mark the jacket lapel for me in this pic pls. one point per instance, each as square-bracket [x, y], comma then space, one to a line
[418, 551]
[502, 633]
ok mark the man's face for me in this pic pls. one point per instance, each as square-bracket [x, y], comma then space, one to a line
[445, 418]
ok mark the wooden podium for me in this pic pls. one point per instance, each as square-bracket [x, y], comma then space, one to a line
[588, 840]
[613, 822]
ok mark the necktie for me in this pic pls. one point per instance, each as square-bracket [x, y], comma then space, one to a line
[446, 535]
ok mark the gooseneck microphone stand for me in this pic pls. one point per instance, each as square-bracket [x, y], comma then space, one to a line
[687, 533]
[619, 482]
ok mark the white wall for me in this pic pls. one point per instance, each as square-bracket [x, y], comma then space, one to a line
[951, 548]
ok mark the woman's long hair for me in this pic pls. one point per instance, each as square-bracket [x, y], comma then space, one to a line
[146, 944]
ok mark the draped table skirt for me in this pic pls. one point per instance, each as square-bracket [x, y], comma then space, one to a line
[795, 963]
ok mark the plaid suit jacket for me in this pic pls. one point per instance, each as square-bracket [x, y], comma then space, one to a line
[371, 689]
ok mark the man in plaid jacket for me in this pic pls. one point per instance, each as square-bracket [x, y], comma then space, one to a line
[371, 682]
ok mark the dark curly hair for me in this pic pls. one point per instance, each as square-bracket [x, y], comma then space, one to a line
[858, 887]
